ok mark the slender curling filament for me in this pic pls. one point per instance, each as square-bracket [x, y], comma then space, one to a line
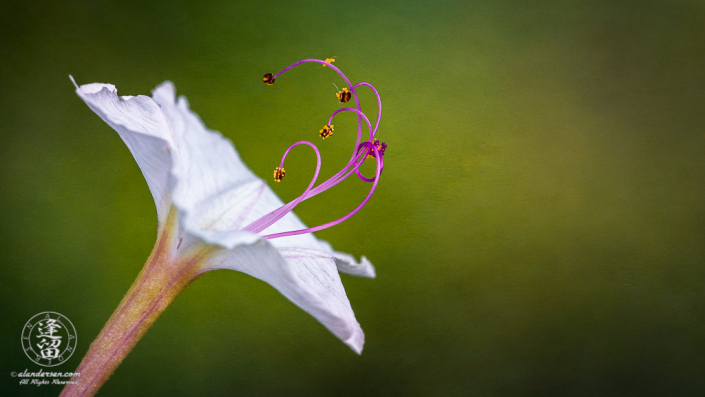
[370, 148]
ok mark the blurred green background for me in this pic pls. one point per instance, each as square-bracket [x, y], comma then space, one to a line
[539, 228]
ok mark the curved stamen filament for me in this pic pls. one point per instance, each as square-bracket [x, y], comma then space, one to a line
[280, 212]
[360, 114]
[352, 87]
[350, 214]
[262, 223]
[379, 104]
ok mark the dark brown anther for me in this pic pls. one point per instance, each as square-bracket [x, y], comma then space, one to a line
[343, 95]
[279, 174]
[268, 79]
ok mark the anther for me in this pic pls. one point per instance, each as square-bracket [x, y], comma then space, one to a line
[329, 60]
[326, 131]
[279, 174]
[268, 79]
[344, 95]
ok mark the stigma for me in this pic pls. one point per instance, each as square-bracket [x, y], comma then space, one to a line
[381, 147]
[326, 131]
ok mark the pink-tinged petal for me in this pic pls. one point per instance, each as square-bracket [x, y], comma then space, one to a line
[213, 187]
[142, 126]
[347, 264]
[307, 278]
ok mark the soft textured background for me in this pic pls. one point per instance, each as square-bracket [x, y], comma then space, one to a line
[539, 229]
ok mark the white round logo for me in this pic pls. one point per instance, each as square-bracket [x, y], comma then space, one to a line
[49, 339]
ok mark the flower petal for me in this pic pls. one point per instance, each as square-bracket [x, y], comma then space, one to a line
[212, 185]
[346, 263]
[142, 126]
[307, 278]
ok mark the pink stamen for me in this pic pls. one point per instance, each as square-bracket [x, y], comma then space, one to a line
[346, 217]
[359, 155]
[379, 104]
[359, 113]
[267, 220]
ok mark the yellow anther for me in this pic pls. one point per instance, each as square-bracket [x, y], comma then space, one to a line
[279, 174]
[326, 131]
[343, 95]
[329, 60]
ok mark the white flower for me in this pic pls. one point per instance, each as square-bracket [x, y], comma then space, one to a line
[196, 176]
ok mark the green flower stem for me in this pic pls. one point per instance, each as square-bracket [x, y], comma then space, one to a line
[161, 280]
